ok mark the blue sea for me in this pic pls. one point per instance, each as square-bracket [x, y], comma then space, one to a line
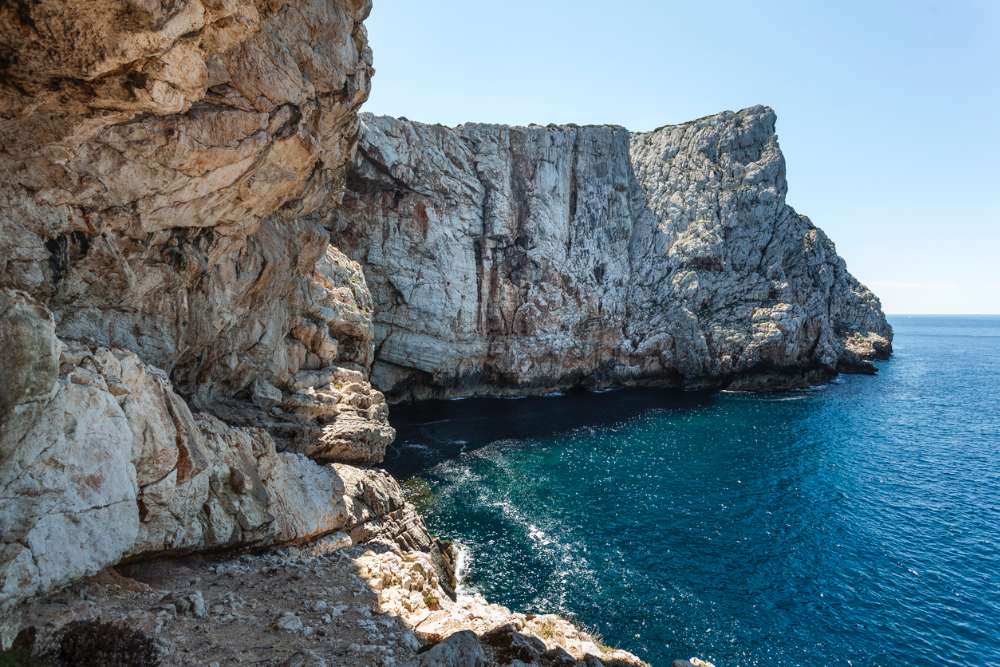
[855, 523]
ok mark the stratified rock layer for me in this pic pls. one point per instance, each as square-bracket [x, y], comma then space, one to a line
[513, 259]
[178, 334]
[162, 166]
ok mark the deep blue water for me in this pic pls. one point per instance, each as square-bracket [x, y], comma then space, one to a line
[857, 523]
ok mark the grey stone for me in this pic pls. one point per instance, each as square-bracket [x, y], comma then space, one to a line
[305, 658]
[288, 622]
[461, 649]
[511, 260]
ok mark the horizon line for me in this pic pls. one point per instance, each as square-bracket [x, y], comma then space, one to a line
[943, 314]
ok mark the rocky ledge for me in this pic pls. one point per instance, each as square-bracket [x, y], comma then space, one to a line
[327, 603]
[507, 260]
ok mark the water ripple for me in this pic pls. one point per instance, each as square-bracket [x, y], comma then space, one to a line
[856, 523]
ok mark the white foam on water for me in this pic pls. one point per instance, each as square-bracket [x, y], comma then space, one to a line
[567, 558]
[463, 560]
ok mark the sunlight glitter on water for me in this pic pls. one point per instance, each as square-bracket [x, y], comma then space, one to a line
[854, 522]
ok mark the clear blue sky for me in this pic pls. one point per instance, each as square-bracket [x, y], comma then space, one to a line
[888, 112]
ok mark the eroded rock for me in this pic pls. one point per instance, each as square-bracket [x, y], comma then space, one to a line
[176, 328]
[461, 649]
[162, 170]
[508, 260]
[109, 463]
[409, 586]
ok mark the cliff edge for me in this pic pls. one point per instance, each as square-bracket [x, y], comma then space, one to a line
[204, 283]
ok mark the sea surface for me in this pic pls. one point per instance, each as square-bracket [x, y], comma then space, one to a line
[856, 523]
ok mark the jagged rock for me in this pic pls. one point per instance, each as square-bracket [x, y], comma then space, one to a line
[461, 649]
[521, 259]
[510, 645]
[108, 462]
[184, 352]
[558, 657]
[163, 166]
[173, 311]
[409, 587]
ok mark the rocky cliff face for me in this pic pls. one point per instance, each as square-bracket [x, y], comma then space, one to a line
[177, 330]
[513, 259]
[186, 357]
[163, 166]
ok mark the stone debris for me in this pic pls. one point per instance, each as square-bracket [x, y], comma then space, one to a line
[191, 604]
[374, 619]
[305, 658]
[288, 622]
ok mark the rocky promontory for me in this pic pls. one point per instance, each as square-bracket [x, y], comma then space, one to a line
[506, 260]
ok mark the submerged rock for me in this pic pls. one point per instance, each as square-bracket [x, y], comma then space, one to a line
[507, 260]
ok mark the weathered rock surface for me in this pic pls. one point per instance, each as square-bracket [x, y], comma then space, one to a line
[178, 334]
[409, 587]
[186, 358]
[303, 605]
[513, 259]
[102, 461]
[161, 170]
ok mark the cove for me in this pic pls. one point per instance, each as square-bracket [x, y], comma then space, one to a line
[855, 523]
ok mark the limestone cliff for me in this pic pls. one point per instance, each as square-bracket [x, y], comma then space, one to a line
[177, 330]
[162, 168]
[184, 355]
[523, 259]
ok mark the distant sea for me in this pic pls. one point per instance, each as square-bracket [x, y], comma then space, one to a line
[855, 523]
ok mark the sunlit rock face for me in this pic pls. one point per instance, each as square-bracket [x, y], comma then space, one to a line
[103, 461]
[523, 259]
[186, 357]
[163, 164]
[180, 343]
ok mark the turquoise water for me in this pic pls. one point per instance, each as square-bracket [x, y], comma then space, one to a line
[857, 523]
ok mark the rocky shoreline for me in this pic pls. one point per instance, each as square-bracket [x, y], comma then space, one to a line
[198, 321]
